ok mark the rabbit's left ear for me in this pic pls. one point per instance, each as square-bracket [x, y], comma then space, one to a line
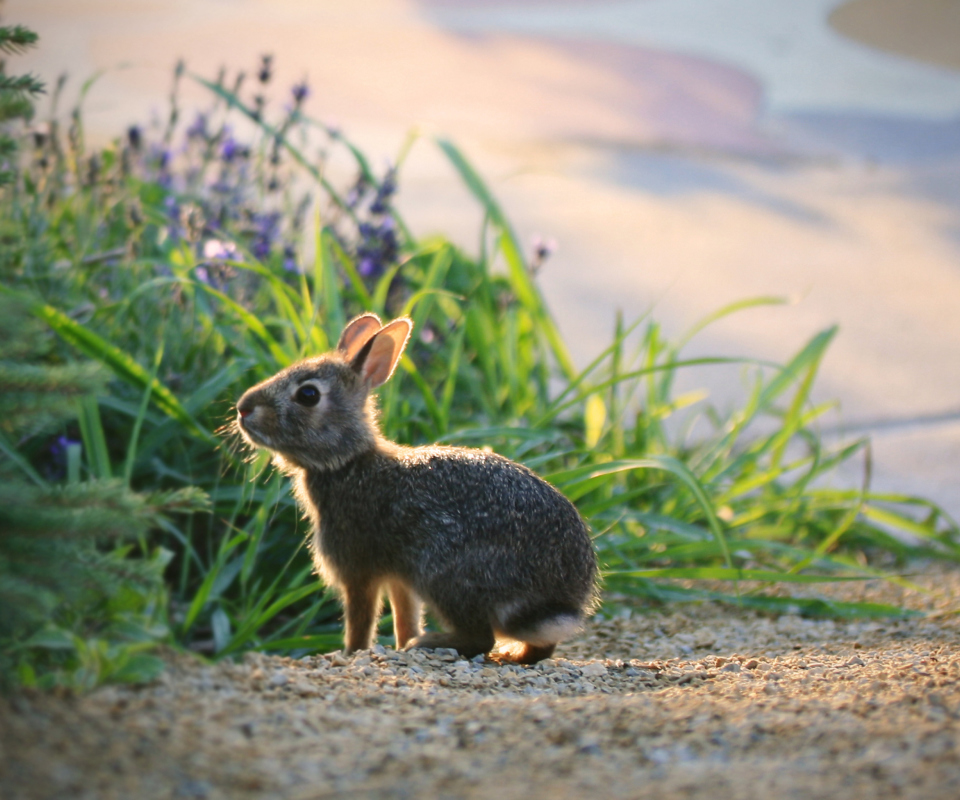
[378, 358]
[357, 333]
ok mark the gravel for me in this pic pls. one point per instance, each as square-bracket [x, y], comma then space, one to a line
[705, 702]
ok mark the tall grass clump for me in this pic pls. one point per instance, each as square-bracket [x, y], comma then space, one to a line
[196, 257]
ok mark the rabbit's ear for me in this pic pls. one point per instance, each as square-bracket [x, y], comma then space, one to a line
[379, 356]
[357, 334]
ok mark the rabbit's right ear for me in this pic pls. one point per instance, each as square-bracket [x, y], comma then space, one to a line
[358, 332]
[379, 356]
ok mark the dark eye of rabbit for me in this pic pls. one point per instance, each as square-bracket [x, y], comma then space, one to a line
[307, 395]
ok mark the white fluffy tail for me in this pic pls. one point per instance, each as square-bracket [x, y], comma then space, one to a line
[542, 633]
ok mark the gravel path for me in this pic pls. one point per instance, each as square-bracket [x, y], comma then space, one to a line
[701, 703]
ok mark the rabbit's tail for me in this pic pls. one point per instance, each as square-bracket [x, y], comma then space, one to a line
[540, 627]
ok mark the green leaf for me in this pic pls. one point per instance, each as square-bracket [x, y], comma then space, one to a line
[520, 278]
[22, 464]
[215, 581]
[734, 574]
[51, 638]
[317, 643]
[139, 668]
[594, 417]
[220, 625]
[667, 463]
[94, 439]
[329, 283]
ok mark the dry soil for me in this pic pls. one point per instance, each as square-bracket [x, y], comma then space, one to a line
[703, 702]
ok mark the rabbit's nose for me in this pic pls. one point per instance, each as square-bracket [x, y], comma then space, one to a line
[245, 409]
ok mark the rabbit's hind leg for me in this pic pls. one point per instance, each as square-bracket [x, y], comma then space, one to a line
[466, 643]
[406, 608]
[536, 631]
[525, 653]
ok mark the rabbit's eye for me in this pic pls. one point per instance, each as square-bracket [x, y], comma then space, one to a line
[307, 395]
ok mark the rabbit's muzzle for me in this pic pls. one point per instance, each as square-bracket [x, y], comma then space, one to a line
[252, 420]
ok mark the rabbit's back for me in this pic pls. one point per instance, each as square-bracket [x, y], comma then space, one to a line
[459, 525]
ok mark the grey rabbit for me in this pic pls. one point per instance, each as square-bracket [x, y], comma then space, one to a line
[493, 550]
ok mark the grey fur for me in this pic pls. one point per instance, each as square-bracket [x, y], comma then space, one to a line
[492, 549]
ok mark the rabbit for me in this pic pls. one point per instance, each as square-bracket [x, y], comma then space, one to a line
[494, 551]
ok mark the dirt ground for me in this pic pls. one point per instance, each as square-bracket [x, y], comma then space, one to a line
[703, 702]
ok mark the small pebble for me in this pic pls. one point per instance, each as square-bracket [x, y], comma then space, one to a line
[593, 670]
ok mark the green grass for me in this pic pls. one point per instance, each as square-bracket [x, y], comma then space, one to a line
[740, 512]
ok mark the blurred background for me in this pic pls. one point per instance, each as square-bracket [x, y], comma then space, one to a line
[679, 155]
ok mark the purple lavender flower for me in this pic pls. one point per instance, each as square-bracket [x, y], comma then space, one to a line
[159, 159]
[258, 103]
[58, 454]
[542, 250]
[378, 247]
[290, 258]
[368, 267]
[173, 209]
[300, 93]
[386, 190]
[357, 191]
[198, 128]
[222, 185]
[59, 448]
[134, 137]
[266, 69]
[266, 228]
[231, 149]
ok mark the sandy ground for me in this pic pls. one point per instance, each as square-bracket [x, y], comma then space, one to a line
[703, 702]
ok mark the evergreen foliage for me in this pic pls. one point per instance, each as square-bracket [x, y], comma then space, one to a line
[64, 581]
[17, 93]
[35, 396]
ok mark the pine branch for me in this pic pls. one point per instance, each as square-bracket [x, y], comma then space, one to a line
[21, 84]
[47, 543]
[34, 397]
[69, 379]
[15, 106]
[22, 335]
[16, 39]
[95, 509]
